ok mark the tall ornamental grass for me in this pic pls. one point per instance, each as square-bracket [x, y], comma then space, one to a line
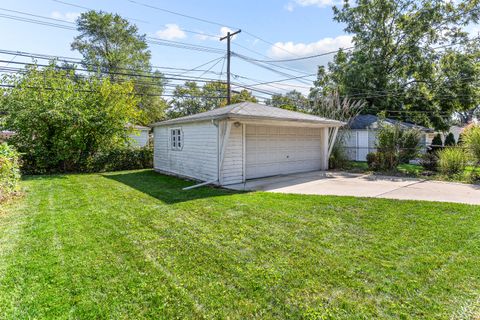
[452, 160]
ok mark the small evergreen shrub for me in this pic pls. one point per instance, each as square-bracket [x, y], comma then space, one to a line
[452, 161]
[450, 140]
[437, 143]
[9, 171]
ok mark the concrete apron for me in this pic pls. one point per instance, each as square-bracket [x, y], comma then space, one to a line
[360, 185]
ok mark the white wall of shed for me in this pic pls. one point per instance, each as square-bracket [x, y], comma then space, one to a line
[198, 158]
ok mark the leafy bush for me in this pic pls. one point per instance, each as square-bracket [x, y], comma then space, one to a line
[452, 160]
[9, 171]
[409, 145]
[471, 140]
[115, 159]
[58, 130]
[372, 161]
[396, 144]
[429, 161]
[450, 140]
[120, 159]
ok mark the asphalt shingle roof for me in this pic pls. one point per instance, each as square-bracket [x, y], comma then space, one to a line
[250, 110]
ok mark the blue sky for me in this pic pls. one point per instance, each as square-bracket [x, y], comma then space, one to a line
[295, 27]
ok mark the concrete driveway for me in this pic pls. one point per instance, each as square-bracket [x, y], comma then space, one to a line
[361, 185]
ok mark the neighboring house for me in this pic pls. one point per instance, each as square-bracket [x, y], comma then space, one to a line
[457, 130]
[243, 141]
[140, 136]
[5, 135]
[361, 137]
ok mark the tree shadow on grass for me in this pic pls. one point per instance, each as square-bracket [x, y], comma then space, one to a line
[165, 188]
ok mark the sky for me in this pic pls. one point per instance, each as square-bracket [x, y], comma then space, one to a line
[271, 29]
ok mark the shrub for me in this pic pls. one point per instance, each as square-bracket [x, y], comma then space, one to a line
[59, 130]
[452, 160]
[372, 161]
[409, 145]
[396, 144]
[450, 140]
[338, 158]
[471, 140]
[9, 171]
[120, 159]
[429, 161]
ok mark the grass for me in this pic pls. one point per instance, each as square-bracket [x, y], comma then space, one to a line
[134, 245]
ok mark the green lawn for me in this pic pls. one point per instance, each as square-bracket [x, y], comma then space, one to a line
[133, 245]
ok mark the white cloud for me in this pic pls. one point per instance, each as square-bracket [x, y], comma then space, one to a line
[222, 33]
[68, 16]
[285, 50]
[171, 32]
[307, 3]
[291, 50]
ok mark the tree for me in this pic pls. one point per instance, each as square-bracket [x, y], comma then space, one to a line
[191, 99]
[292, 100]
[214, 95]
[437, 143]
[243, 96]
[186, 100]
[111, 45]
[394, 65]
[61, 122]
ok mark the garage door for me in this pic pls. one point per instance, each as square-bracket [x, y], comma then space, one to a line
[274, 150]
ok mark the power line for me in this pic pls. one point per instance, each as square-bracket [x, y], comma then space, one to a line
[86, 8]
[162, 42]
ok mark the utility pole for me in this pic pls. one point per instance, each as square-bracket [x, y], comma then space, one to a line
[228, 37]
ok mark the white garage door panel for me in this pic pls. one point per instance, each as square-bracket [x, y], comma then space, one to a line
[281, 150]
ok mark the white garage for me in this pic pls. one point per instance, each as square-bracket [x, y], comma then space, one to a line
[243, 141]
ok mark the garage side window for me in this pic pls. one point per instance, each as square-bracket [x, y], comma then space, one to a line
[176, 138]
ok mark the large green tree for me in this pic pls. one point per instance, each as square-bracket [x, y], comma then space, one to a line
[292, 100]
[61, 121]
[395, 64]
[190, 98]
[112, 46]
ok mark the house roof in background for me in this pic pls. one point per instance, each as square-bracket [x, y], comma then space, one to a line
[366, 121]
[253, 111]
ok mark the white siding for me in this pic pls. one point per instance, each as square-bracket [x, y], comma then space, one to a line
[352, 146]
[198, 158]
[139, 138]
[233, 162]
